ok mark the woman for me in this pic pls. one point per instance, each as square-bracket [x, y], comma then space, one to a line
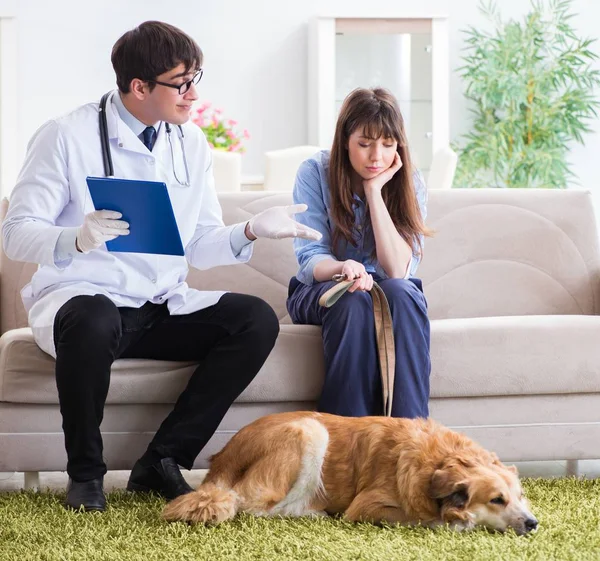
[369, 204]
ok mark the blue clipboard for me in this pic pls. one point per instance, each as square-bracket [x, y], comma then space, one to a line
[146, 206]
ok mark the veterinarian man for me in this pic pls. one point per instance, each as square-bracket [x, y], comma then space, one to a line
[88, 306]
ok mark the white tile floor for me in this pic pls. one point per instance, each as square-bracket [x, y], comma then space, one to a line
[57, 480]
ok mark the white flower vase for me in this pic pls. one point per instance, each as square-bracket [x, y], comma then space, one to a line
[227, 170]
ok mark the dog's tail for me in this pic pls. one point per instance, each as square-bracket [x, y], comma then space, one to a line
[209, 504]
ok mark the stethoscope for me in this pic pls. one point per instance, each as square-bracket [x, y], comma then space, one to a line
[106, 155]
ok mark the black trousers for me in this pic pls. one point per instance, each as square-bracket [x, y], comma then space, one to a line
[230, 340]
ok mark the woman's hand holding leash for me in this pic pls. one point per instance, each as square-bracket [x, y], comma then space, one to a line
[355, 270]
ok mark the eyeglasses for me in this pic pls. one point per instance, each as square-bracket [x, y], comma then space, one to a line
[182, 88]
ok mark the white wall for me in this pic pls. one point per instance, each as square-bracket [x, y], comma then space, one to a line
[255, 59]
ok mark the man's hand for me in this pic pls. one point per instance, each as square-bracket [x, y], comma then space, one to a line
[100, 227]
[277, 223]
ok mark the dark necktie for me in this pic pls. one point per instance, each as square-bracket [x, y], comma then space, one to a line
[149, 137]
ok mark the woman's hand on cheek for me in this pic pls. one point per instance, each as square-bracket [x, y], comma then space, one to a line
[377, 182]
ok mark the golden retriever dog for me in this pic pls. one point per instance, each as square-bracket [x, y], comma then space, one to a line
[371, 469]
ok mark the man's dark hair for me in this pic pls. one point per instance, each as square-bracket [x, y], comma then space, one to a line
[151, 49]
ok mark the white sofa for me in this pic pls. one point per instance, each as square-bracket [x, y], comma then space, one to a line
[512, 278]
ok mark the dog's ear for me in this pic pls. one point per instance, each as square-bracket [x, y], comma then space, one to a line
[445, 485]
[496, 461]
[464, 461]
[441, 484]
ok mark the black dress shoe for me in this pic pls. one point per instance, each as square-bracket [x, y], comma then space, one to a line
[86, 494]
[162, 477]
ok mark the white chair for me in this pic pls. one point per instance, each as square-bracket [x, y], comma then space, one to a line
[281, 166]
[443, 167]
[227, 170]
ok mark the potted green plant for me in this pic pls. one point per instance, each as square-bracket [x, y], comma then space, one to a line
[531, 87]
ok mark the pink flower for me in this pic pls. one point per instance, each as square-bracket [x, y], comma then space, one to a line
[203, 107]
[214, 123]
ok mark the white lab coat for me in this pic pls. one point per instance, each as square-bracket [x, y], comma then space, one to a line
[52, 194]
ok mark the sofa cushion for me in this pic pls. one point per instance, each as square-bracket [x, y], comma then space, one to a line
[294, 368]
[511, 252]
[512, 355]
[530, 355]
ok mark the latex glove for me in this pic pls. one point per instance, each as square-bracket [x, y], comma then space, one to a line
[277, 223]
[100, 227]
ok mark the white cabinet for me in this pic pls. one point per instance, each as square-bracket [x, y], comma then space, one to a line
[407, 55]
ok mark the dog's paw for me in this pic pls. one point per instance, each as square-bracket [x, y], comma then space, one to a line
[316, 514]
[207, 505]
[461, 525]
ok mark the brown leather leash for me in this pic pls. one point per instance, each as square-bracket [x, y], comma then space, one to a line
[384, 330]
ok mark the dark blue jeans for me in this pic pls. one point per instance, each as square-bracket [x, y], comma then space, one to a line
[352, 384]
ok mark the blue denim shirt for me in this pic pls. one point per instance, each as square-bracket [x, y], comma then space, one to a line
[312, 188]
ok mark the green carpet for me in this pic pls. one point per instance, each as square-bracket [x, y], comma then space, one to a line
[36, 527]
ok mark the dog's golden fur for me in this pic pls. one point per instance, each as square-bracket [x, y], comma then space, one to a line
[369, 468]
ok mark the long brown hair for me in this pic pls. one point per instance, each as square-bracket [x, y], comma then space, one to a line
[377, 111]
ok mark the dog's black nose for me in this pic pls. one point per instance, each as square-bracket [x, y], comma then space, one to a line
[531, 524]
